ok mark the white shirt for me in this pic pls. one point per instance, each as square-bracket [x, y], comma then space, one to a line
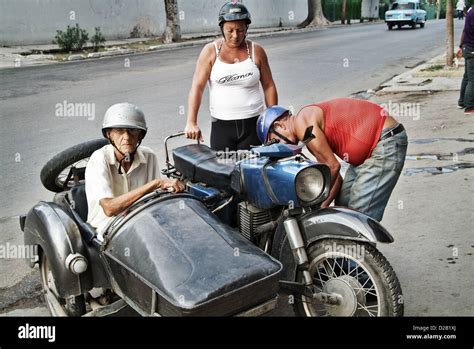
[104, 181]
[234, 89]
[460, 5]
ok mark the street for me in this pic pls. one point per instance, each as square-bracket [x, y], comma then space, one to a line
[307, 67]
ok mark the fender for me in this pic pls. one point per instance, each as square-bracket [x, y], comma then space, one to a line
[48, 226]
[329, 223]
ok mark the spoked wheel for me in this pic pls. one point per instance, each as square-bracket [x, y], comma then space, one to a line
[57, 306]
[358, 274]
[56, 171]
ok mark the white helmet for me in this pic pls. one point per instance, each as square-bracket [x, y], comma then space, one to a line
[124, 115]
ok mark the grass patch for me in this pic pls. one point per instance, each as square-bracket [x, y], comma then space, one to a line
[433, 68]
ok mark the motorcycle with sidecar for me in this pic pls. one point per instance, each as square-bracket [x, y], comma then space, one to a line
[248, 229]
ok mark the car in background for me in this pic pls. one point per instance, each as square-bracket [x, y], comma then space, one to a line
[405, 12]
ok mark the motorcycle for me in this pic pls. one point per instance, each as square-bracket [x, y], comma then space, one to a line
[272, 195]
[247, 229]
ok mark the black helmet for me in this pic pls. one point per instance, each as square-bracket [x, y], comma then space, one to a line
[233, 11]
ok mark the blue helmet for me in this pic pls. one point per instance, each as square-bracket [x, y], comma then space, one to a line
[266, 120]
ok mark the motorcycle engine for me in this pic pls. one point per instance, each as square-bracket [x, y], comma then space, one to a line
[250, 217]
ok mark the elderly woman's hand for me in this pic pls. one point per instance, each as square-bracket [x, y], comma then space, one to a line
[193, 131]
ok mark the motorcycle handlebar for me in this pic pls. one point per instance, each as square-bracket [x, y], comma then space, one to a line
[174, 135]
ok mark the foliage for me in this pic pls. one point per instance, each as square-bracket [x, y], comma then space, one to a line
[332, 9]
[72, 39]
[98, 39]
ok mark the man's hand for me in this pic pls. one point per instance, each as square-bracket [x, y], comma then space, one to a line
[459, 53]
[174, 184]
[193, 131]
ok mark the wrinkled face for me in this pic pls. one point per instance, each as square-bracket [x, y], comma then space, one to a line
[234, 32]
[125, 139]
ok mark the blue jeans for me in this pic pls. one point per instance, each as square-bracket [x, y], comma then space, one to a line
[466, 97]
[367, 187]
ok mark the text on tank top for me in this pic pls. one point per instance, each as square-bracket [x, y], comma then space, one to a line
[234, 89]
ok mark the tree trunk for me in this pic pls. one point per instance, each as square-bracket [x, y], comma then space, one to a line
[438, 8]
[449, 33]
[172, 32]
[343, 12]
[315, 15]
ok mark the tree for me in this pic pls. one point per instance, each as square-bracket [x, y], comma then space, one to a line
[315, 15]
[172, 31]
[449, 34]
[343, 12]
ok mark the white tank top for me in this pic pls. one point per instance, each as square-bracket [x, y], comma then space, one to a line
[234, 89]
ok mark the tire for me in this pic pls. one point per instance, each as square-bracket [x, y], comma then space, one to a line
[389, 26]
[422, 24]
[413, 25]
[374, 290]
[72, 306]
[54, 172]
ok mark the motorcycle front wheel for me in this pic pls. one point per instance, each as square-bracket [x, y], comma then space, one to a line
[358, 274]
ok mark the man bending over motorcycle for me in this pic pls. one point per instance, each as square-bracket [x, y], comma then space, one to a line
[120, 173]
[360, 133]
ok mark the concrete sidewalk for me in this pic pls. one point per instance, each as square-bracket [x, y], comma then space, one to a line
[32, 55]
[431, 206]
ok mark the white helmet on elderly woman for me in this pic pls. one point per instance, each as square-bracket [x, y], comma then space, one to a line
[124, 115]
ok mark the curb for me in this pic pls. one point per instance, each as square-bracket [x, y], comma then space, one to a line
[409, 82]
[193, 41]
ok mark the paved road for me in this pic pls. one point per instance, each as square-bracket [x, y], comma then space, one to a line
[307, 67]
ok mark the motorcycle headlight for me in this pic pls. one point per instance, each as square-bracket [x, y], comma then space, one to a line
[311, 186]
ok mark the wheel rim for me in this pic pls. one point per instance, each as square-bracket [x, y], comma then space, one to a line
[62, 176]
[336, 272]
[51, 292]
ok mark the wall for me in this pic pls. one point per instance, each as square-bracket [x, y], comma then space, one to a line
[36, 21]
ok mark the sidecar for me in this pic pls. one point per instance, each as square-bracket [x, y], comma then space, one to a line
[166, 255]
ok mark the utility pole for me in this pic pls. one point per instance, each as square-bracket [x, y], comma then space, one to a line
[449, 33]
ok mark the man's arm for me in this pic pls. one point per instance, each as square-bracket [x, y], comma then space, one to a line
[113, 206]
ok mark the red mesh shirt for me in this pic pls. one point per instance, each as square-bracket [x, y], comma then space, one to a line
[352, 127]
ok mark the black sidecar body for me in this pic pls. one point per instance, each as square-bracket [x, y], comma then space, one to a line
[167, 256]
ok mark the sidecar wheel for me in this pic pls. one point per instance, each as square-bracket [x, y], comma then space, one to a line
[356, 271]
[57, 306]
[55, 171]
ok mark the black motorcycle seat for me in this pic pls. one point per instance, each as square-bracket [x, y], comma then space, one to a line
[199, 163]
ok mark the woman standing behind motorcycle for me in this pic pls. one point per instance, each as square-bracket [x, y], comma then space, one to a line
[234, 68]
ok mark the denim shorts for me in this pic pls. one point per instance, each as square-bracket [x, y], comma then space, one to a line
[367, 187]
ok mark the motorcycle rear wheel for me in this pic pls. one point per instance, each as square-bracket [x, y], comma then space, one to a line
[356, 271]
[57, 306]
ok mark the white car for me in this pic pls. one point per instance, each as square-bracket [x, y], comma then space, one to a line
[405, 12]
